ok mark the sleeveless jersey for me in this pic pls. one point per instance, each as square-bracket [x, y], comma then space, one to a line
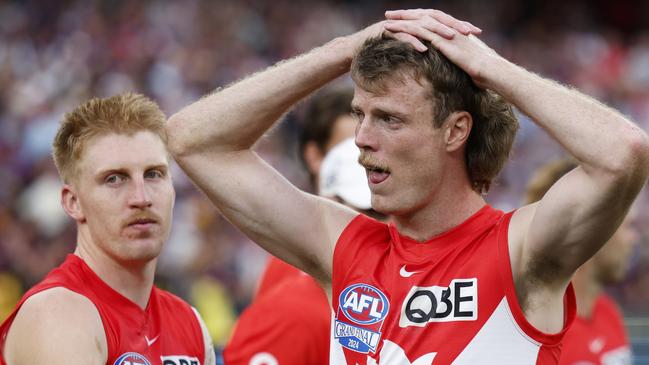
[598, 340]
[167, 332]
[450, 300]
[287, 323]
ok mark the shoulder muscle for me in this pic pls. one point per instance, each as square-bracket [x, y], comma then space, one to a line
[56, 326]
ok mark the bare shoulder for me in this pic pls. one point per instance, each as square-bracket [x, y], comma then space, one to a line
[517, 231]
[56, 326]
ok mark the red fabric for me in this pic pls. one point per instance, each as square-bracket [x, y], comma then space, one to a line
[167, 322]
[276, 272]
[467, 266]
[600, 339]
[288, 320]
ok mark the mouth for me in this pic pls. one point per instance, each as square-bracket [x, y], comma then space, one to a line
[377, 172]
[376, 175]
[142, 223]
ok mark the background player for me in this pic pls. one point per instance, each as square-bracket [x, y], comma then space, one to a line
[598, 335]
[100, 306]
[426, 177]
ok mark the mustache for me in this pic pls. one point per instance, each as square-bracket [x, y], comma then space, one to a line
[142, 217]
[369, 162]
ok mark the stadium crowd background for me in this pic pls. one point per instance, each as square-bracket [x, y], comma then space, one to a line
[56, 54]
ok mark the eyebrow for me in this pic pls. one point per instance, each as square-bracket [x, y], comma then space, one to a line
[105, 172]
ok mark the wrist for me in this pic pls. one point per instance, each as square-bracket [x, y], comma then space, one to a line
[499, 75]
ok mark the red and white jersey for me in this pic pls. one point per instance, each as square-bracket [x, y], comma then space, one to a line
[286, 324]
[450, 300]
[167, 332]
[598, 340]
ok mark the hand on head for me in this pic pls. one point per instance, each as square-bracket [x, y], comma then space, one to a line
[419, 26]
[412, 26]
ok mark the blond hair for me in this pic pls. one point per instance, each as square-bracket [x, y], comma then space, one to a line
[125, 113]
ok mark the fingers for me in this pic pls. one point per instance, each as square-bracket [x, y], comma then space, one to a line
[419, 30]
[474, 29]
[431, 34]
[463, 27]
[407, 38]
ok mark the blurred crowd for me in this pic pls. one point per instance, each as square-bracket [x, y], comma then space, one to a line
[56, 54]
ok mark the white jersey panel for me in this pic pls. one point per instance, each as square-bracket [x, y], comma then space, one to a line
[487, 346]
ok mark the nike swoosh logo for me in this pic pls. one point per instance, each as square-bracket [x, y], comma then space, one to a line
[405, 273]
[152, 341]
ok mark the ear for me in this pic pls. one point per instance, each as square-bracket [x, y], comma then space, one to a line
[70, 203]
[458, 129]
[313, 157]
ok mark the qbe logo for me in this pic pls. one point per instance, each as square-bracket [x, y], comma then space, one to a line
[131, 358]
[425, 304]
[361, 311]
[179, 360]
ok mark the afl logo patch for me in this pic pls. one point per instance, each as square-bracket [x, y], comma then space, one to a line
[363, 304]
[131, 358]
[361, 311]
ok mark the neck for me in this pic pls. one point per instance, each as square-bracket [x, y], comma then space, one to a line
[587, 289]
[132, 280]
[453, 204]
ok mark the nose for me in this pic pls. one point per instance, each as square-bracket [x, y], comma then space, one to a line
[365, 138]
[140, 196]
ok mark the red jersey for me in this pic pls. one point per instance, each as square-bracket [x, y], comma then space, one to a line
[450, 300]
[287, 323]
[598, 340]
[275, 273]
[167, 332]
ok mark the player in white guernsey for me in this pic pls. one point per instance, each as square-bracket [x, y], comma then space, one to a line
[452, 280]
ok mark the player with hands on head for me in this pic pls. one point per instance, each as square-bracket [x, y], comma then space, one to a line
[451, 280]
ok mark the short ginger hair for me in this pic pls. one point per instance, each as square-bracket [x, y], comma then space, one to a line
[126, 113]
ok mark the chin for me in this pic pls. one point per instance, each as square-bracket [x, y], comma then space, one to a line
[379, 204]
[142, 251]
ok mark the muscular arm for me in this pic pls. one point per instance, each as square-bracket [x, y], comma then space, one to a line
[57, 327]
[583, 209]
[212, 141]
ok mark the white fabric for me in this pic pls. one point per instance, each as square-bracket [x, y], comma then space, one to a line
[342, 176]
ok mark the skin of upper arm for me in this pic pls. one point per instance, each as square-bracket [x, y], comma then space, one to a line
[297, 227]
[555, 236]
[56, 327]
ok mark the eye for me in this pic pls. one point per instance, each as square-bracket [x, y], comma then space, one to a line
[115, 179]
[356, 114]
[389, 119]
[153, 174]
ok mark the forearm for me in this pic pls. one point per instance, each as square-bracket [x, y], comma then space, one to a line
[236, 117]
[598, 136]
